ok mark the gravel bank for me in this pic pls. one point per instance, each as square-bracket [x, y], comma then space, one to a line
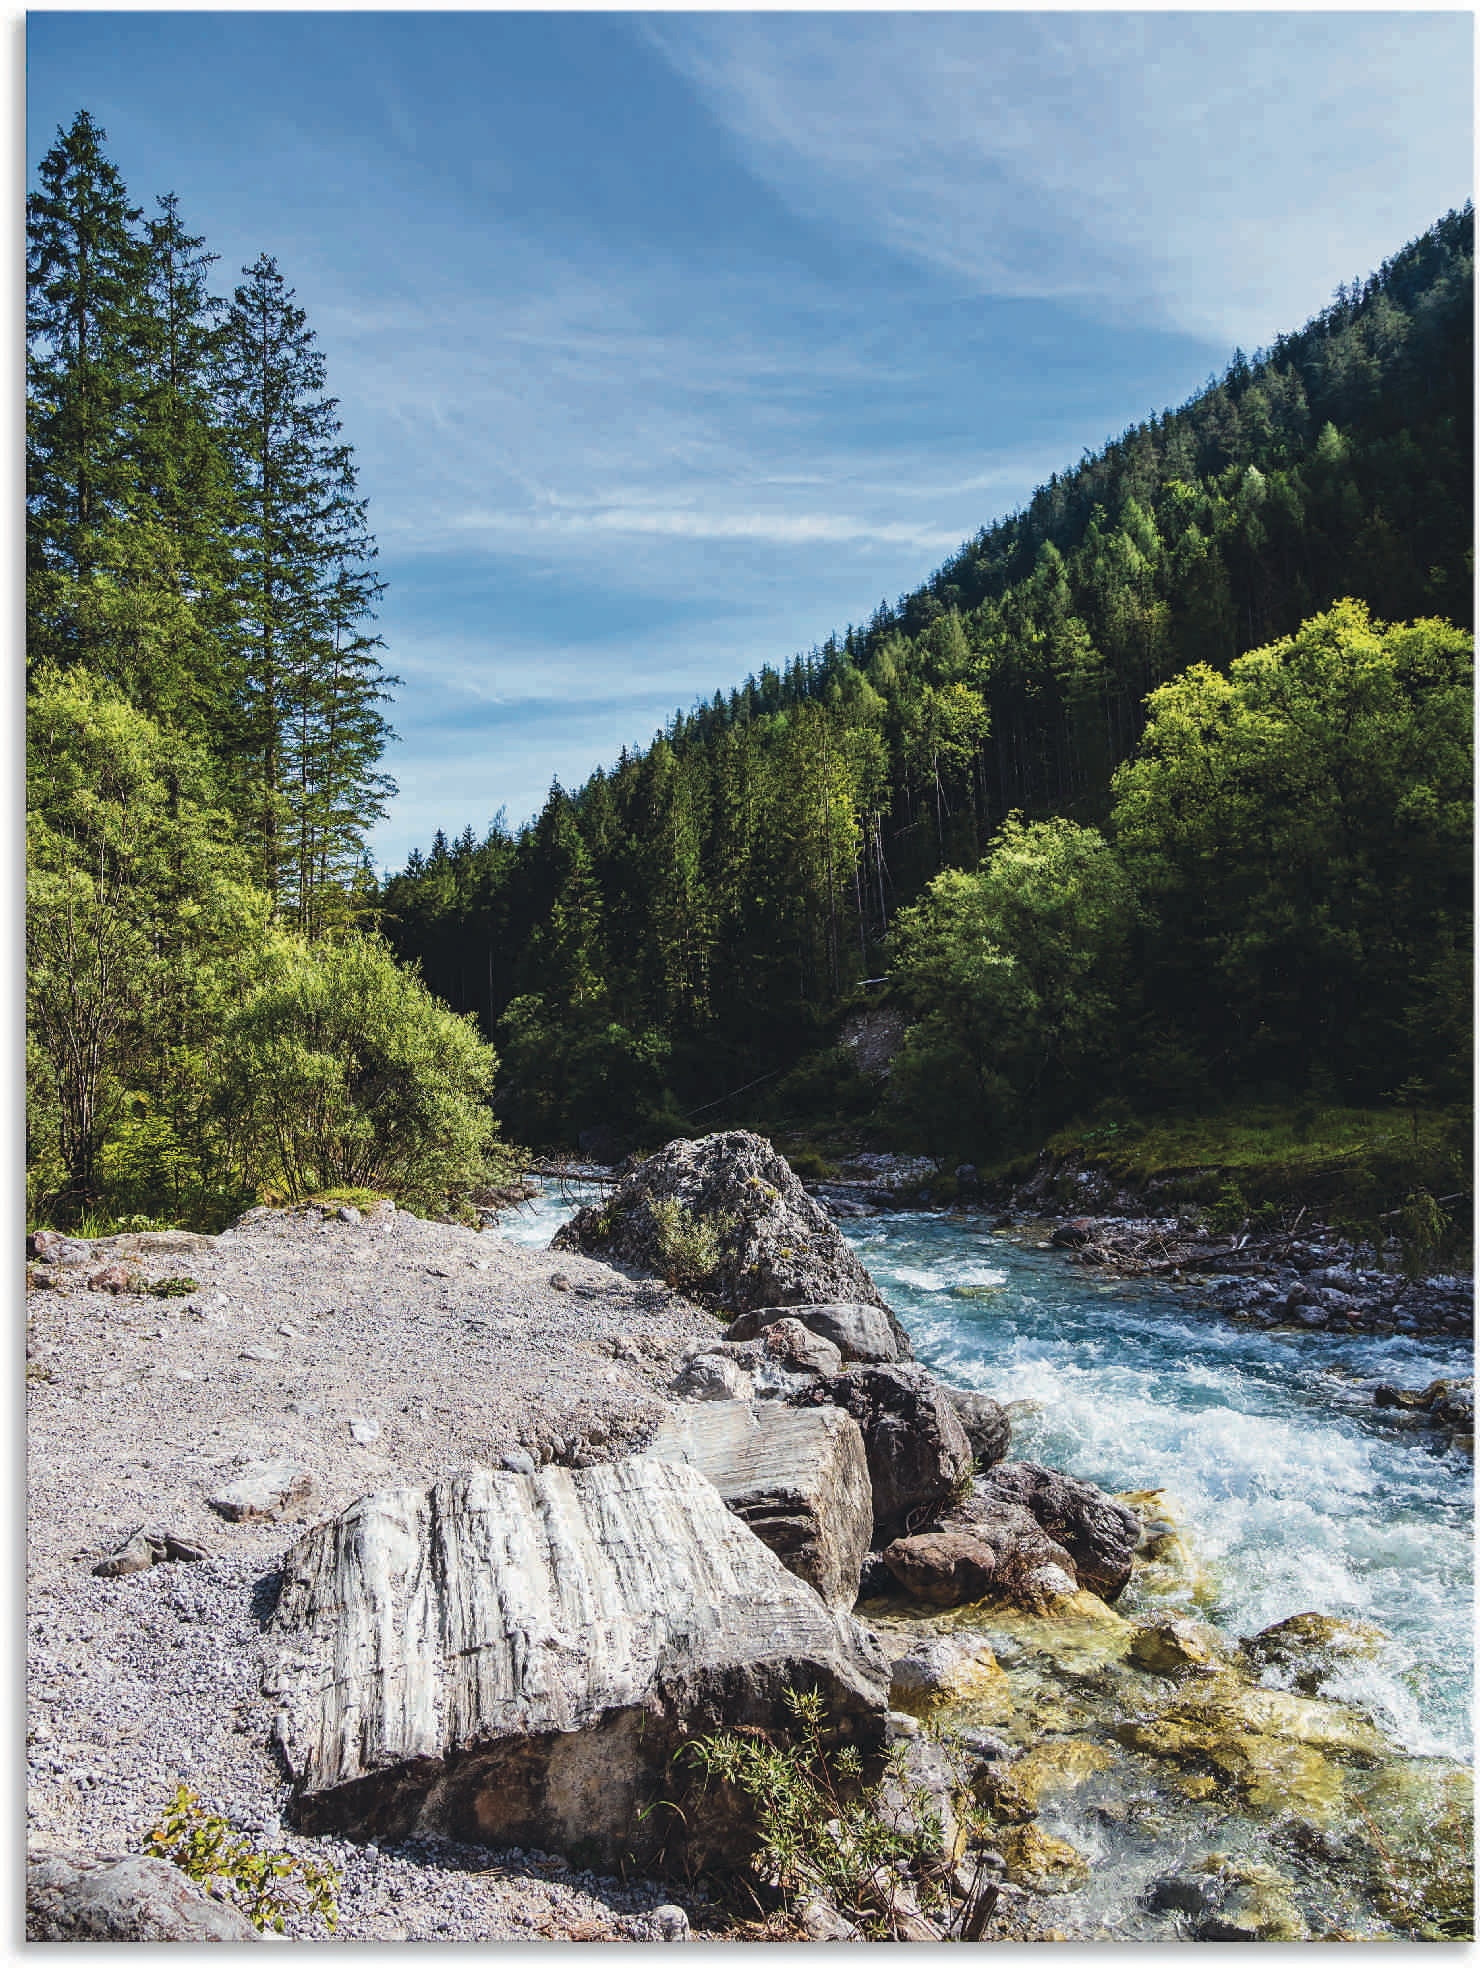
[444, 1347]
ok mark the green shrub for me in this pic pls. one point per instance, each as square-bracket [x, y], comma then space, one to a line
[821, 1829]
[347, 1074]
[688, 1247]
[807, 1165]
[267, 1886]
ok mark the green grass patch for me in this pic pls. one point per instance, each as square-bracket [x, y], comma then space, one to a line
[360, 1199]
[1373, 1172]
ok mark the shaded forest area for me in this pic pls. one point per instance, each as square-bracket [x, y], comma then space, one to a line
[1135, 804]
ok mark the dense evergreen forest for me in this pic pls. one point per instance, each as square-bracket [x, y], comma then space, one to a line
[208, 1021]
[1157, 792]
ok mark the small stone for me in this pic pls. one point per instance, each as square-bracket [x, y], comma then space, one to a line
[671, 1922]
[347, 1213]
[559, 1281]
[263, 1353]
[364, 1429]
[115, 1278]
[262, 1492]
[519, 1461]
[821, 1922]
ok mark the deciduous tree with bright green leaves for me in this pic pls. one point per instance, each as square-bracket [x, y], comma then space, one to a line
[1302, 828]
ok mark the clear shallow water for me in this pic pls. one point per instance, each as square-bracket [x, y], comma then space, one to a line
[1294, 1492]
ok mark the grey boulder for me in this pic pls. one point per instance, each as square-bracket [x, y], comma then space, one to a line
[123, 1897]
[986, 1422]
[769, 1243]
[517, 1660]
[796, 1476]
[861, 1332]
[918, 1453]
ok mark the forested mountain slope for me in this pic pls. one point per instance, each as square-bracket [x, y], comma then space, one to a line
[694, 918]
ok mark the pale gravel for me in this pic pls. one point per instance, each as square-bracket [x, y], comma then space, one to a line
[458, 1345]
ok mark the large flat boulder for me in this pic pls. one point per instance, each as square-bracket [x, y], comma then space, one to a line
[797, 1476]
[514, 1660]
[73, 1896]
[724, 1217]
[918, 1453]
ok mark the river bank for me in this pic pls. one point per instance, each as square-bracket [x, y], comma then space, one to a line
[381, 1349]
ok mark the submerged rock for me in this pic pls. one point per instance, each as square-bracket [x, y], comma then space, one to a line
[725, 1216]
[1043, 1863]
[514, 1660]
[1309, 1648]
[1176, 1647]
[945, 1668]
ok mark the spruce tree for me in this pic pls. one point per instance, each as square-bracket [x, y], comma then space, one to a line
[309, 729]
[85, 268]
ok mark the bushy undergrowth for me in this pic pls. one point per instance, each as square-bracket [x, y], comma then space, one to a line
[823, 1832]
[268, 1887]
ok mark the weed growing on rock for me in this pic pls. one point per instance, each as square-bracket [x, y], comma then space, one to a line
[173, 1288]
[823, 1832]
[688, 1247]
[267, 1886]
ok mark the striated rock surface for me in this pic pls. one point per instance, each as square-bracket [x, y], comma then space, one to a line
[1100, 1535]
[76, 1897]
[918, 1452]
[796, 1476]
[263, 1492]
[763, 1241]
[510, 1659]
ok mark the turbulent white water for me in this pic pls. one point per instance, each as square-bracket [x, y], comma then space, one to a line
[1296, 1493]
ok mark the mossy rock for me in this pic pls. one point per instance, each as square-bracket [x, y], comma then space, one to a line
[1041, 1862]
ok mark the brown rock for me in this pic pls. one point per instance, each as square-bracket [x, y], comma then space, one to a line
[1099, 1534]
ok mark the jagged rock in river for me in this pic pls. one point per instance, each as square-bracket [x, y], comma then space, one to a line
[918, 1452]
[987, 1423]
[514, 1660]
[1309, 1648]
[73, 1896]
[796, 1476]
[860, 1332]
[1099, 1534]
[725, 1216]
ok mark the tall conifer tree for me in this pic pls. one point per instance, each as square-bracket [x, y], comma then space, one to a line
[310, 729]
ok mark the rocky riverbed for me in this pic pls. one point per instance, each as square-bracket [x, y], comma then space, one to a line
[1141, 1774]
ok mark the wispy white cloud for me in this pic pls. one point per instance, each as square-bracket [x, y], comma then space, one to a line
[1216, 172]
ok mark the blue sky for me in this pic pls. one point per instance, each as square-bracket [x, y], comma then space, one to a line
[669, 343]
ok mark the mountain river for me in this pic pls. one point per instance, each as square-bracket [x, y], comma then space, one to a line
[1290, 1490]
